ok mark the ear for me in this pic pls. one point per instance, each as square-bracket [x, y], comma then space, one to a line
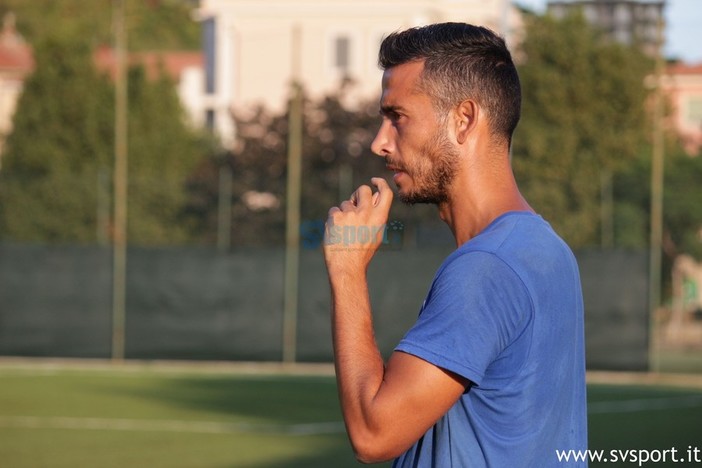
[466, 117]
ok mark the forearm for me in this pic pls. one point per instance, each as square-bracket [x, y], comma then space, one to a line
[371, 410]
[359, 365]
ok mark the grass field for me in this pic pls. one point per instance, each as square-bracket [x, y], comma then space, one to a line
[200, 416]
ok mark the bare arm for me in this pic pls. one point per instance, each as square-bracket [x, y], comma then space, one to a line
[385, 408]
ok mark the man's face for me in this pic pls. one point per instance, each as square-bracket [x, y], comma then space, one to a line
[412, 139]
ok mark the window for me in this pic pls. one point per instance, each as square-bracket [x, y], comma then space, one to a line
[342, 53]
[693, 111]
[209, 46]
[210, 120]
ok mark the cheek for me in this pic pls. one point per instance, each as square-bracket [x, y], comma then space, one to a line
[408, 143]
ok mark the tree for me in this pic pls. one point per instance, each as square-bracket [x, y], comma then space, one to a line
[153, 25]
[61, 141]
[257, 166]
[57, 169]
[682, 211]
[163, 152]
[583, 120]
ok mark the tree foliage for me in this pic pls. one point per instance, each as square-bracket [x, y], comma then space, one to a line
[682, 211]
[583, 120]
[336, 159]
[153, 24]
[163, 152]
[333, 137]
[62, 139]
[56, 171]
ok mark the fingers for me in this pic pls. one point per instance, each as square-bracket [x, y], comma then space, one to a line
[383, 197]
[360, 220]
[364, 196]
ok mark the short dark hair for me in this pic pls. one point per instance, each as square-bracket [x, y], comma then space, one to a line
[461, 61]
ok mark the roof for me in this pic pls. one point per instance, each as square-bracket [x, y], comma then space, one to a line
[16, 56]
[172, 62]
[681, 68]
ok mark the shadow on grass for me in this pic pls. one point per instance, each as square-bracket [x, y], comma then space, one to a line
[264, 402]
[621, 417]
[268, 399]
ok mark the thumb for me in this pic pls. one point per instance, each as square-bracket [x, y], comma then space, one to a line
[383, 197]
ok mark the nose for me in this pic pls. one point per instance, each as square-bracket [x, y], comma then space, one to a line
[382, 145]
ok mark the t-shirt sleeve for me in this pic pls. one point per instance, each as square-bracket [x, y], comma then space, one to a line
[476, 307]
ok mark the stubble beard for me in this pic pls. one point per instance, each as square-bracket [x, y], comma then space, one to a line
[433, 173]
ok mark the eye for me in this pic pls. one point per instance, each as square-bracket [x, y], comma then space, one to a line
[395, 117]
[392, 115]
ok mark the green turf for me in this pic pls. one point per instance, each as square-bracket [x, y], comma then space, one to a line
[263, 403]
[672, 418]
[251, 414]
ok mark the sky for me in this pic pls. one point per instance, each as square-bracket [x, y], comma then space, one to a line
[683, 27]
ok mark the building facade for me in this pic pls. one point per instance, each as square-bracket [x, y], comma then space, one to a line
[16, 63]
[255, 49]
[682, 84]
[628, 22]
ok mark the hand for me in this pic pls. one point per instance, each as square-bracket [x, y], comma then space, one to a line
[356, 228]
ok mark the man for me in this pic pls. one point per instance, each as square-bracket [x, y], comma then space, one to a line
[492, 373]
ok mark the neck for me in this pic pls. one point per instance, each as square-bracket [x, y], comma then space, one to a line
[482, 191]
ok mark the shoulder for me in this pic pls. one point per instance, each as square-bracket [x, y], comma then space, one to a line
[512, 252]
[523, 241]
[513, 230]
[475, 284]
[490, 252]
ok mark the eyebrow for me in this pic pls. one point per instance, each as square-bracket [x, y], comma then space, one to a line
[390, 109]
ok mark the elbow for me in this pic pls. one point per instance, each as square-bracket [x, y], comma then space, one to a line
[373, 448]
[370, 456]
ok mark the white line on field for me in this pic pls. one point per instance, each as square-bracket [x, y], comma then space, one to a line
[645, 404]
[152, 425]
[301, 429]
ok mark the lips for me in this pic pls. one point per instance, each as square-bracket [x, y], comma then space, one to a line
[394, 168]
[398, 175]
[399, 172]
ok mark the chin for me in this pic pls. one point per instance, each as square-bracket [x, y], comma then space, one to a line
[412, 199]
[407, 197]
[416, 198]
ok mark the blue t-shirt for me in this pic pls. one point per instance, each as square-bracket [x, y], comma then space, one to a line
[505, 311]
